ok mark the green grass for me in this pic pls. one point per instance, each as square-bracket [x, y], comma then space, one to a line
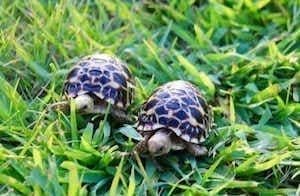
[244, 56]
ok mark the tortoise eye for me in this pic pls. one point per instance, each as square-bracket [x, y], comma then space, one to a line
[161, 149]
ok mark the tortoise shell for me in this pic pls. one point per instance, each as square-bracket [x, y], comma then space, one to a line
[102, 76]
[179, 107]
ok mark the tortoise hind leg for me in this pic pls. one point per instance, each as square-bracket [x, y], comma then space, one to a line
[196, 149]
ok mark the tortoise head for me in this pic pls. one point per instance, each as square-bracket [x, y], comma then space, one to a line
[84, 103]
[160, 143]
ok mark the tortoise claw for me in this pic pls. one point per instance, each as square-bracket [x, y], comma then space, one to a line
[59, 106]
[196, 150]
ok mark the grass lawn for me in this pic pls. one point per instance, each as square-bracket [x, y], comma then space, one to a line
[243, 55]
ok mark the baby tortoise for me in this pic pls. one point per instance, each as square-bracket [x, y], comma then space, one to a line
[96, 81]
[175, 117]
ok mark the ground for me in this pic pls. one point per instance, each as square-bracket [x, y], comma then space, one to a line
[243, 56]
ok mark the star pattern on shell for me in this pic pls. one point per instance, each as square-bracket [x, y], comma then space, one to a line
[180, 107]
[103, 76]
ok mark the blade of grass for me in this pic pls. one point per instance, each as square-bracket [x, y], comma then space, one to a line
[74, 130]
[132, 184]
[12, 182]
[115, 182]
[153, 49]
[211, 170]
[74, 181]
[199, 77]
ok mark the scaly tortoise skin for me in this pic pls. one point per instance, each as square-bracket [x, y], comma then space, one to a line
[97, 80]
[177, 114]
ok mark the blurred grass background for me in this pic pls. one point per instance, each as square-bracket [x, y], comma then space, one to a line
[243, 55]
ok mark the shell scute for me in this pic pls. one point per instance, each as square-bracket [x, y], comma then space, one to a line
[173, 104]
[120, 79]
[90, 87]
[163, 95]
[181, 115]
[163, 120]
[104, 80]
[196, 114]
[161, 110]
[109, 92]
[72, 88]
[110, 67]
[73, 72]
[95, 72]
[150, 104]
[188, 101]
[173, 123]
[184, 126]
[106, 73]
[84, 77]
[83, 63]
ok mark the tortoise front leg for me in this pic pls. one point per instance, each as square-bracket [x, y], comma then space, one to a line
[196, 149]
[121, 116]
[142, 146]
